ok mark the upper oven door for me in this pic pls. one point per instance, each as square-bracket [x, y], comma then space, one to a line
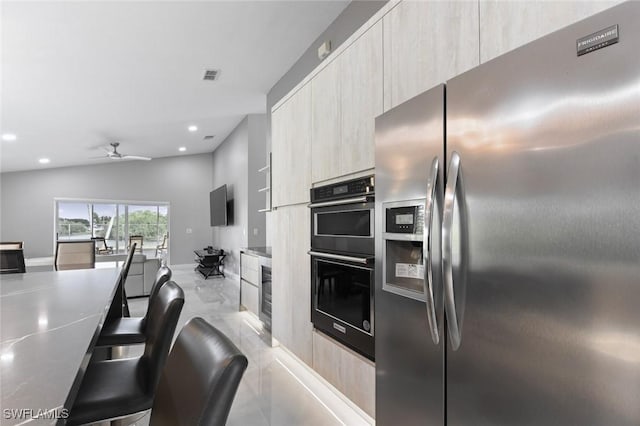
[345, 228]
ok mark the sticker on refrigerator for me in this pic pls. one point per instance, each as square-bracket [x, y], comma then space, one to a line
[409, 270]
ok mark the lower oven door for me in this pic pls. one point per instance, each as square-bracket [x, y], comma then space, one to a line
[343, 305]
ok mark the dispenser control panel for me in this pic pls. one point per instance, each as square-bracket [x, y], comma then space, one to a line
[405, 219]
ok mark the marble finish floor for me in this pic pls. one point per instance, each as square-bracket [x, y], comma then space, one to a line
[276, 388]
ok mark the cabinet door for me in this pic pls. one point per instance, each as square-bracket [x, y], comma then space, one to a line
[361, 99]
[291, 149]
[291, 285]
[426, 43]
[299, 143]
[325, 123]
[507, 25]
[280, 290]
[300, 281]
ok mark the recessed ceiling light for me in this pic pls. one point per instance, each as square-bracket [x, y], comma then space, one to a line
[193, 128]
[9, 137]
[44, 161]
[182, 149]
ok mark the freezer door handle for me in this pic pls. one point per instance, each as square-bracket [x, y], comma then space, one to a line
[427, 240]
[447, 250]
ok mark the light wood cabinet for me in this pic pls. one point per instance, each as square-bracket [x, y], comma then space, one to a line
[249, 277]
[507, 25]
[350, 373]
[426, 43]
[346, 98]
[291, 281]
[361, 100]
[326, 141]
[291, 149]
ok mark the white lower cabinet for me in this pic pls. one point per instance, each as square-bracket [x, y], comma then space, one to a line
[249, 297]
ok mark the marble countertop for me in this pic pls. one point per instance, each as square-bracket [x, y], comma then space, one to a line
[49, 322]
[258, 251]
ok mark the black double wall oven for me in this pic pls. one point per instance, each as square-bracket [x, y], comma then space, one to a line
[342, 262]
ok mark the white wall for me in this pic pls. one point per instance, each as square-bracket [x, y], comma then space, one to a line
[27, 199]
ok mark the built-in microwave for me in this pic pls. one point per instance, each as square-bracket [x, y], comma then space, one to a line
[342, 217]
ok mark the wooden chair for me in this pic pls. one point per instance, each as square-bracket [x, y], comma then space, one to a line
[163, 246]
[136, 239]
[79, 254]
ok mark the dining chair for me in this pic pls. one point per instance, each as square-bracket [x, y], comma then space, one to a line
[12, 245]
[101, 246]
[76, 254]
[162, 247]
[120, 305]
[12, 261]
[122, 331]
[136, 239]
[120, 387]
[200, 378]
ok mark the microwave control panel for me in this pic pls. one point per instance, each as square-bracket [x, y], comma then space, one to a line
[346, 189]
[407, 219]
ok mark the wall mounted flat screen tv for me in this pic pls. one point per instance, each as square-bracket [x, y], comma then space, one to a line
[218, 206]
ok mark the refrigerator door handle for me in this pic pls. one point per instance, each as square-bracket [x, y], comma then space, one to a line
[429, 206]
[447, 250]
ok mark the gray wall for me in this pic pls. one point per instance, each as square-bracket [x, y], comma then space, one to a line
[235, 163]
[257, 180]
[351, 18]
[27, 199]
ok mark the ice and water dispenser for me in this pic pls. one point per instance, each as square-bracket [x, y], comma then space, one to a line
[403, 265]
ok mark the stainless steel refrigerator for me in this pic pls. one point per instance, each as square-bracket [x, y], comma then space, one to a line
[530, 247]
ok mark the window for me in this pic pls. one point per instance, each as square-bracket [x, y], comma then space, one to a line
[113, 221]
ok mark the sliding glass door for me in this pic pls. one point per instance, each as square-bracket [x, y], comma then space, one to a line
[114, 221]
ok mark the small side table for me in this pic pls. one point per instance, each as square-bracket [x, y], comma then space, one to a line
[209, 262]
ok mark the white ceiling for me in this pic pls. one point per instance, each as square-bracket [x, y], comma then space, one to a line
[78, 75]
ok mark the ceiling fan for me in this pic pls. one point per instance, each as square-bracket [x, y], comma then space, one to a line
[115, 155]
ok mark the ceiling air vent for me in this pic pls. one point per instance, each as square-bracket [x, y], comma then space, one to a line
[209, 137]
[211, 74]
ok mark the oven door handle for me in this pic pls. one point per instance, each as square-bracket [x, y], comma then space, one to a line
[362, 260]
[354, 200]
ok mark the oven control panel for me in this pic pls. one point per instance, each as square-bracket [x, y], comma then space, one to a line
[405, 219]
[346, 189]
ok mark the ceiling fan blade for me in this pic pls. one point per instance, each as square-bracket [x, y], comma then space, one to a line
[135, 157]
[101, 157]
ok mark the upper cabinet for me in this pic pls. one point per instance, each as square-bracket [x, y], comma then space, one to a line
[346, 98]
[426, 43]
[507, 25]
[291, 149]
[361, 99]
[326, 139]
